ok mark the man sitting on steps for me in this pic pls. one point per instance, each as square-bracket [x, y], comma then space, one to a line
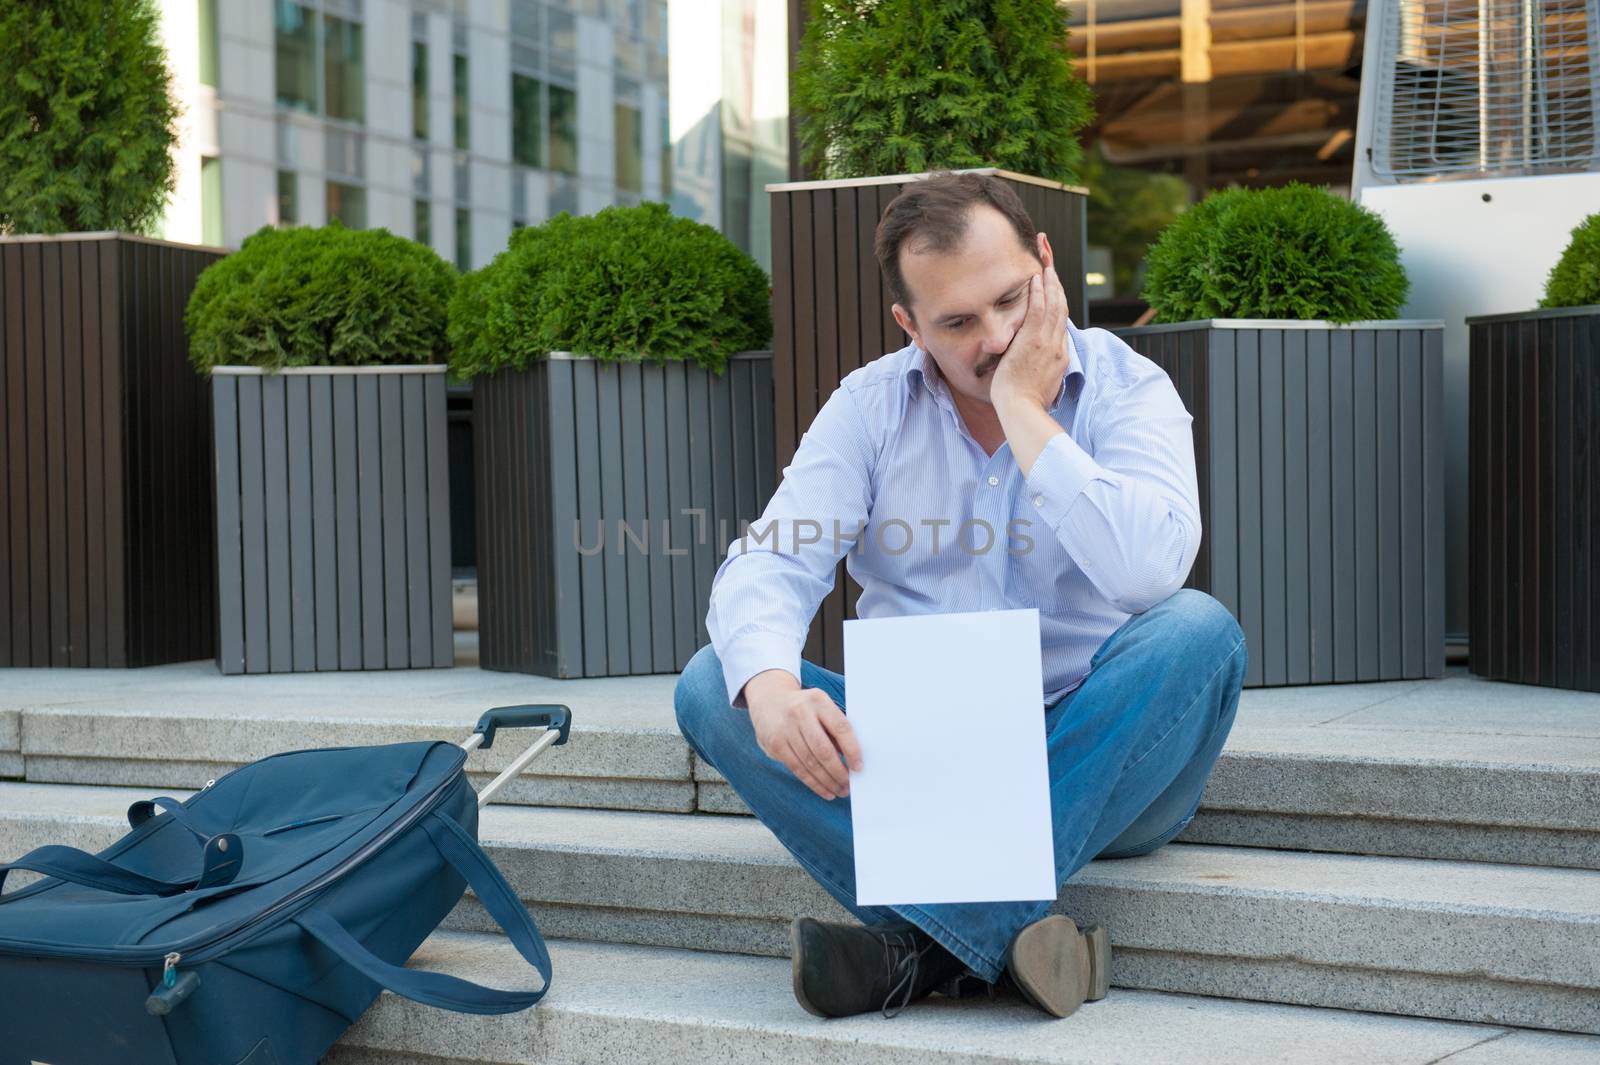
[1074, 453]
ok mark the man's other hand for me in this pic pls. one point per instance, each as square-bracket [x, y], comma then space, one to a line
[804, 730]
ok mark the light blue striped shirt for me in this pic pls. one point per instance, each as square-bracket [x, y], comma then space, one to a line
[1107, 524]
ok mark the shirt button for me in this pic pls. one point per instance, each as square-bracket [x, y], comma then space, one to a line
[1038, 501]
[993, 480]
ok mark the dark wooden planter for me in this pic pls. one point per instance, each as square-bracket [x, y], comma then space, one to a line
[831, 313]
[333, 525]
[606, 495]
[105, 455]
[1533, 502]
[1321, 490]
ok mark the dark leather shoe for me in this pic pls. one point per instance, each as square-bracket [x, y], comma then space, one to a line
[841, 970]
[1057, 967]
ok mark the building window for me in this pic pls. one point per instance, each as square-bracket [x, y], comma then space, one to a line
[527, 121]
[629, 140]
[525, 20]
[206, 23]
[319, 63]
[288, 198]
[296, 66]
[463, 239]
[563, 130]
[211, 201]
[342, 66]
[666, 157]
[422, 221]
[419, 90]
[459, 96]
[347, 203]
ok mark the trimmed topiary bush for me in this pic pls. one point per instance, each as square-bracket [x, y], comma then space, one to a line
[87, 121]
[328, 296]
[1575, 279]
[1295, 252]
[626, 284]
[905, 86]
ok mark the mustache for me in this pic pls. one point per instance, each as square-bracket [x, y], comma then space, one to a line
[986, 366]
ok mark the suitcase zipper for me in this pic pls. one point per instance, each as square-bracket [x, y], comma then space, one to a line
[208, 949]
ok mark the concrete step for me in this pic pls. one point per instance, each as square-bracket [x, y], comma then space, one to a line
[178, 726]
[1459, 768]
[1451, 940]
[653, 1006]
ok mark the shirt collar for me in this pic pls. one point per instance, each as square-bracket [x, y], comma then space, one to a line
[921, 370]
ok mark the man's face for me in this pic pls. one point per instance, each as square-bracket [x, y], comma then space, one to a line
[970, 301]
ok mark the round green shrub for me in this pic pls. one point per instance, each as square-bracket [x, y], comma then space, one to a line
[627, 284]
[87, 121]
[905, 86]
[1295, 252]
[1575, 279]
[327, 296]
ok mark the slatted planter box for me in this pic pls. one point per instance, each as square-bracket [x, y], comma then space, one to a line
[1321, 489]
[333, 524]
[831, 313]
[606, 495]
[1533, 502]
[105, 455]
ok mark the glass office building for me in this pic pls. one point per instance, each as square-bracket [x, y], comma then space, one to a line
[444, 120]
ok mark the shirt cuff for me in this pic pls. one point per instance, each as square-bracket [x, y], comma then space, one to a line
[1060, 474]
[756, 651]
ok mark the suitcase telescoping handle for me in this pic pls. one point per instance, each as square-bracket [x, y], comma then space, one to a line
[555, 719]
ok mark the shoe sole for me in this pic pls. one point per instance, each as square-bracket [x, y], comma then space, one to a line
[1099, 943]
[795, 969]
[1050, 962]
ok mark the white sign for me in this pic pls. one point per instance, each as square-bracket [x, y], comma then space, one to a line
[952, 803]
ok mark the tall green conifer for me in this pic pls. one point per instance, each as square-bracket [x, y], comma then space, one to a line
[86, 118]
[904, 86]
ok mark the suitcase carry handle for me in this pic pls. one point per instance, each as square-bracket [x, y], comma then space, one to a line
[440, 989]
[549, 715]
[145, 809]
[219, 864]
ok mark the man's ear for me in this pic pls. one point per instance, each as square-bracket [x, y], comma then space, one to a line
[903, 318]
[1047, 256]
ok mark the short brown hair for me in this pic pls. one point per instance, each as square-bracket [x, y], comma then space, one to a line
[931, 214]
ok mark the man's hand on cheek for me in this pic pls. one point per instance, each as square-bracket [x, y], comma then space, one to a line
[1032, 368]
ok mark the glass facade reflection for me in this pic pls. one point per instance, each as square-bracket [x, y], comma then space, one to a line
[628, 140]
[527, 120]
[419, 90]
[563, 130]
[1223, 92]
[348, 204]
[342, 69]
[507, 112]
[295, 31]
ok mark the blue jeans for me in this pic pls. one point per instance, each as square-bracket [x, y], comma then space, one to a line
[1130, 750]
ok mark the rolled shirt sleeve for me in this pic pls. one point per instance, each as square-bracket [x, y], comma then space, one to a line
[1129, 513]
[768, 587]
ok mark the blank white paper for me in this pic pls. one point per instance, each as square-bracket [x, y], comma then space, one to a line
[952, 803]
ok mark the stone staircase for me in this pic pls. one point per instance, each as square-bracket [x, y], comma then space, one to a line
[1380, 873]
